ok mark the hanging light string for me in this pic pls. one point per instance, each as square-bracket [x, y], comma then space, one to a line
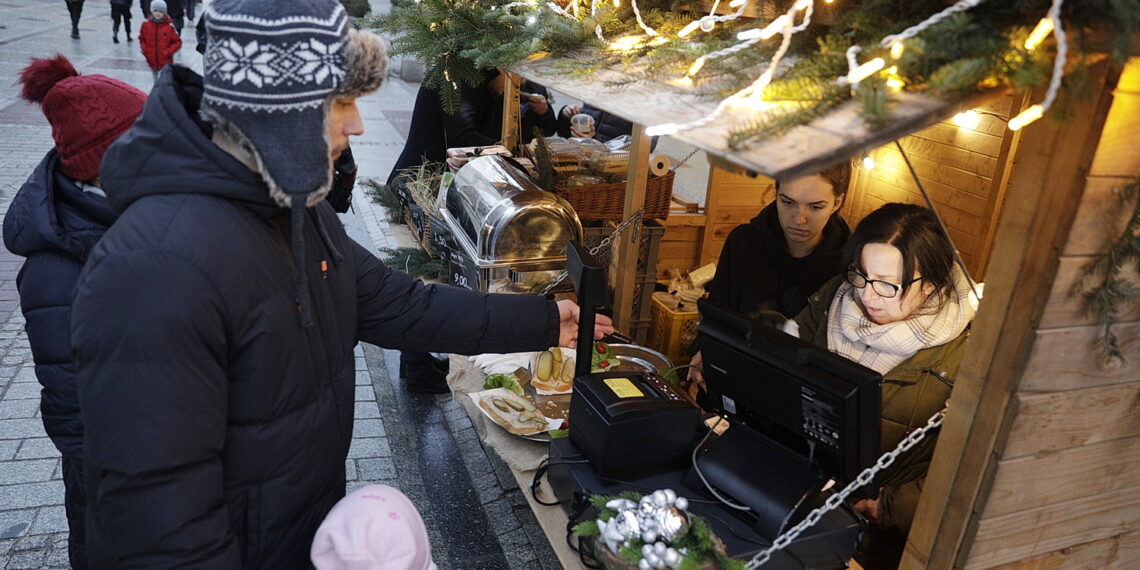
[1035, 112]
[560, 11]
[637, 14]
[597, 27]
[893, 39]
[707, 23]
[755, 90]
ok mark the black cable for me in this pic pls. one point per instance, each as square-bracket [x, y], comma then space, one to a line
[536, 481]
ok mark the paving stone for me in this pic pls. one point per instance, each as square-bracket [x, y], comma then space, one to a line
[37, 448]
[6, 545]
[363, 378]
[19, 409]
[21, 428]
[24, 374]
[12, 360]
[350, 473]
[367, 410]
[27, 495]
[41, 542]
[365, 447]
[376, 469]
[29, 471]
[14, 524]
[501, 515]
[58, 558]
[361, 428]
[361, 364]
[8, 448]
[365, 394]
[50, 520]
[30, 560]
[23, 391]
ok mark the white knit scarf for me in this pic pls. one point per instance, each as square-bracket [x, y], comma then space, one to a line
[882, 347]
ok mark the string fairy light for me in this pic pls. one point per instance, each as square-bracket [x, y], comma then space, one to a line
[708, 23]
[1039, 33]
[959, 6]
[749, 96]
[1035, 112]
[857, 72]
[637, 14]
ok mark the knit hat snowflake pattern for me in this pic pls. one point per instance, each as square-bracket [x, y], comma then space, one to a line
[86, 112]
[272, 68]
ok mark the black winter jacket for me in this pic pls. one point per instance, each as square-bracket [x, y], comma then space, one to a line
[217, 425]
[54, 224]
[477, 122]
[755, 271]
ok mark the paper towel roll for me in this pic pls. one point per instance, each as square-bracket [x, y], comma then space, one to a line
[659, 164]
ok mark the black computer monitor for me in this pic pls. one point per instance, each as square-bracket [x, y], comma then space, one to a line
[787, 392]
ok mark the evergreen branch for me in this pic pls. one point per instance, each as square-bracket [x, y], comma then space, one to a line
[383, 195]
[1104, 290]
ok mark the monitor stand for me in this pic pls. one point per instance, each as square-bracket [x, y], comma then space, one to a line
[775, 484]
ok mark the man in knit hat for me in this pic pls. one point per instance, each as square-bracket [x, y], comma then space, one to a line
[54, 221]
[214, 324]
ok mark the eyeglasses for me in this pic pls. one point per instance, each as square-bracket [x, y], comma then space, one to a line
[885, 289]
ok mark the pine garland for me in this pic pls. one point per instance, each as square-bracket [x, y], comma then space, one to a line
[383, 195]
[414, 261]
[1104, 288]
[978, 49]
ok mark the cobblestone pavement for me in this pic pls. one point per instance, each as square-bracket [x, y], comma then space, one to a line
[423, 444]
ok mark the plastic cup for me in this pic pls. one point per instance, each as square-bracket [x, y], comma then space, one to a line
[582, 125]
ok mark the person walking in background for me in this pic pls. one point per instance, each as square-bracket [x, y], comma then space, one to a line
[75, 9]
[121, 12]
[144, 7]
[54, 221]
[158, 39]
[191, 9]
[214, 324]
[177, 12]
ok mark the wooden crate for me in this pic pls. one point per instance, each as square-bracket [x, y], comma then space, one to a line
[671, 330]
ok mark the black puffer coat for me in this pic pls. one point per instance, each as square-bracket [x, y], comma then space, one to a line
[217, 424]
[55, 224]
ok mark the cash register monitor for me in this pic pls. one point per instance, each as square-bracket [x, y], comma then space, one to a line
[785, 391]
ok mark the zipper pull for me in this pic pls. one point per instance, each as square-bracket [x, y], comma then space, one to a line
[324, 269]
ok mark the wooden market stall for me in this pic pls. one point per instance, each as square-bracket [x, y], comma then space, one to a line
[1037, 465]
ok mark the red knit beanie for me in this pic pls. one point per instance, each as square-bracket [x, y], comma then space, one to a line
[87, 113]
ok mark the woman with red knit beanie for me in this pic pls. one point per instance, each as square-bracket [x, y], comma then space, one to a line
[54, 221]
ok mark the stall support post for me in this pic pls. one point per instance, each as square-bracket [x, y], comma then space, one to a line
[511, 123]
[627, 249]
[589, 278]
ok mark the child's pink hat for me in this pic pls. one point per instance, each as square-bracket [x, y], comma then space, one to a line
[374, 528]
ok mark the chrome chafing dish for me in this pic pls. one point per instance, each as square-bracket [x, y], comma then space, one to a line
[509, 233]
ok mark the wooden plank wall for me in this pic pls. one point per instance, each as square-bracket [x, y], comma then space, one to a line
[958, 167]
[693, 240]
[1066, 491]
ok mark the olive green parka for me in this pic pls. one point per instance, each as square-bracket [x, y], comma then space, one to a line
[913, 391]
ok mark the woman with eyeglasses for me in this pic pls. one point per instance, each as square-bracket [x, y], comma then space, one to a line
[902, 308]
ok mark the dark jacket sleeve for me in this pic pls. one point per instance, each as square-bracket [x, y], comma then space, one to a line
[462, 127]
[45, 283]
[150, 346]
[395, 310]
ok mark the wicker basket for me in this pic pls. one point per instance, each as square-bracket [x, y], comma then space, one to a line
[416, 220]
[606, 201]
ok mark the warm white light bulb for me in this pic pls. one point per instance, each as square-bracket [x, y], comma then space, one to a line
[864, 71]
[1039, 33]
[697, 65]
[690, 28]
[897, 49]
[968, 119]
[868, 162]
[737, 3]
[1025, 117]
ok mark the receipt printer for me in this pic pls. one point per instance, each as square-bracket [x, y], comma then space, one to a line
[631, 424]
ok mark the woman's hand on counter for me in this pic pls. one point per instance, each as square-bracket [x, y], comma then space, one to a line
[568, 325]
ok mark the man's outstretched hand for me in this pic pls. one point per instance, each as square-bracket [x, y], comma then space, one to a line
[568, 325]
